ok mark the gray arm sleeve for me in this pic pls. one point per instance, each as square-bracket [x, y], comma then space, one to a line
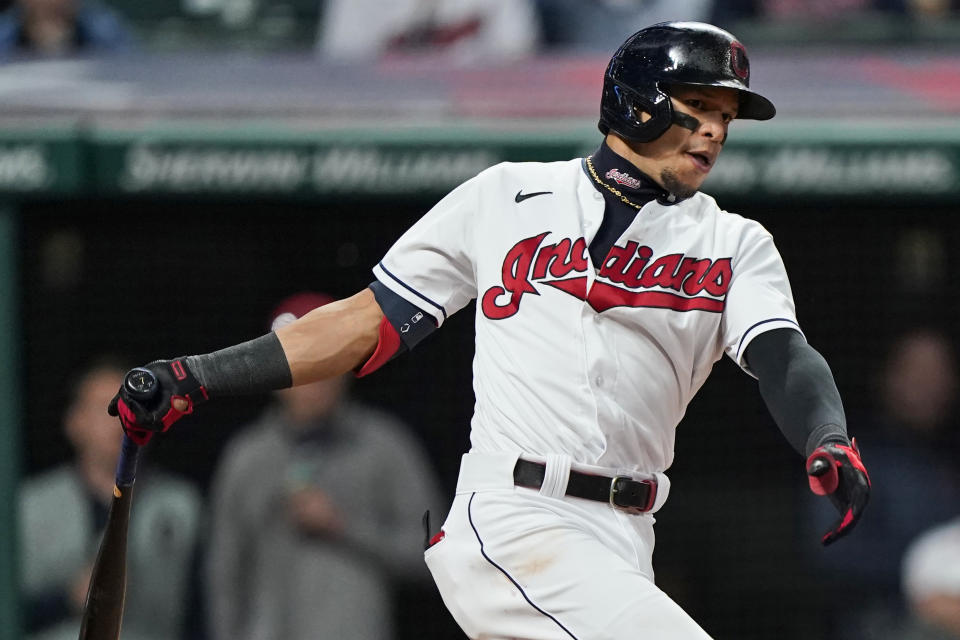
[798, 388]
[255, 366]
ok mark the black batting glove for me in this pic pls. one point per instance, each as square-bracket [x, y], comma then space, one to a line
[142, 418]
[836, 471]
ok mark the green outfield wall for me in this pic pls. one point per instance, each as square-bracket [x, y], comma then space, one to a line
[10, 420]
[761, 162]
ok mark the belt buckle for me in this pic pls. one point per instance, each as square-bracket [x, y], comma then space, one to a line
[632, 510]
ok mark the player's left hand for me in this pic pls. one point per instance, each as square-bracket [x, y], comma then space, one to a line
[836, 471]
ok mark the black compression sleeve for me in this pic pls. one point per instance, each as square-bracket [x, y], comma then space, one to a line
[798, 388]
[255, 366]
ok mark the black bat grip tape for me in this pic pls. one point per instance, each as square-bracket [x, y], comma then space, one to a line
[127, 463]
[141, 384]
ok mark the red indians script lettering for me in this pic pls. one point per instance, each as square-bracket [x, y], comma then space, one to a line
[630, 277]
[625, 179]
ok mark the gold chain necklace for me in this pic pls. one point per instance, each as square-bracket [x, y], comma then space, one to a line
[615, 192]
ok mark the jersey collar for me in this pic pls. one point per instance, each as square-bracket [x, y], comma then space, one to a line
[620, 174]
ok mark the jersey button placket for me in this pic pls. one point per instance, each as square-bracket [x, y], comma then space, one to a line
[595, 353]
[590, 341]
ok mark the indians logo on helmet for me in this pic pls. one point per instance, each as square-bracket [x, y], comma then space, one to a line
[739, 61]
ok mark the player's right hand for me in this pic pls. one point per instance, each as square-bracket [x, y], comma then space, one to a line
[836, 471]
[177, 393]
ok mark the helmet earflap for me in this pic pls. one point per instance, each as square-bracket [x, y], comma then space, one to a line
[647, 117]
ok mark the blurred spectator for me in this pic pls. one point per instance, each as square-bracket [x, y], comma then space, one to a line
[726, 13]
[830, 10]
[812, 9]
[929, 9]
[909, 445]
[316, 516]
[491, 29]
[61, 27]
[602, 25]
[62, 515]
[931, 580]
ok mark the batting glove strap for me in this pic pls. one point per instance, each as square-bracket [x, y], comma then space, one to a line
[836, 471]
[176, 382]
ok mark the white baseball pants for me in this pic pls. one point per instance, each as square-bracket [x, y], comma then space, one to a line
[515, 564]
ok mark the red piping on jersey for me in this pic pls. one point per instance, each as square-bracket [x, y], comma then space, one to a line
[387, 346]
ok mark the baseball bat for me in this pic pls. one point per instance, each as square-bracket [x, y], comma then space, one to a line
[103, 610]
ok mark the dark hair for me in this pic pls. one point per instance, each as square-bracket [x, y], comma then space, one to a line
[102, 362]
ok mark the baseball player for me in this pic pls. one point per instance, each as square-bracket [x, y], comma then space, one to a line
[606, 288]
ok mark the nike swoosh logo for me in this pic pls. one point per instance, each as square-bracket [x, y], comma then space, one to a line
[521, 196]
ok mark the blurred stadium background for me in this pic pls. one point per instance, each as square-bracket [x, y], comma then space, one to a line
[160, 202]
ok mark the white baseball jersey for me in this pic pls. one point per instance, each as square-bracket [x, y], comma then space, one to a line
[594, 361]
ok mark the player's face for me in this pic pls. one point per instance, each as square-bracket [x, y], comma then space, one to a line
[680, 159]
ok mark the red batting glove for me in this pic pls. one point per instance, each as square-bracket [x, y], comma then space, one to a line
[836, 471]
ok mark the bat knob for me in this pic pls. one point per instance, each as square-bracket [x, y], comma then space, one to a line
[140, 383]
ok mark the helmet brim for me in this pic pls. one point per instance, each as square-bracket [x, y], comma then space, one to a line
[753, 106]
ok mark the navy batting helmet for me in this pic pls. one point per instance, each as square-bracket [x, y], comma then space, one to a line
[685, 53]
